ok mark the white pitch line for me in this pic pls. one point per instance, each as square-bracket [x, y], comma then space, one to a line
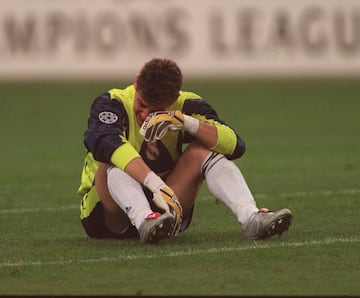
[46, 209]
[305, 194]
[204, 198]
[322, 193]
[183, 253]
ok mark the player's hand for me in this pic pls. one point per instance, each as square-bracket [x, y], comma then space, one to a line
[166, 200]
[157, 124]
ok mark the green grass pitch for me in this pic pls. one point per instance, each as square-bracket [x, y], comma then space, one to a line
[303, 153]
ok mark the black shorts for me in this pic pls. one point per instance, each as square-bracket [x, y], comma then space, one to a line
[93, 221]
[95, 226]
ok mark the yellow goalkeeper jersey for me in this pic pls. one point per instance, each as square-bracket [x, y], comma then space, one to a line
[113, 135]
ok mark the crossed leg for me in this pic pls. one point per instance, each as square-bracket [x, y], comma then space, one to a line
[185, 180]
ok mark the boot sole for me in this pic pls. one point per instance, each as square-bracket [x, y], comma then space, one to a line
[159, 231]
[278, 226]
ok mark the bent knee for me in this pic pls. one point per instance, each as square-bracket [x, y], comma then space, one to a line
[196, 152]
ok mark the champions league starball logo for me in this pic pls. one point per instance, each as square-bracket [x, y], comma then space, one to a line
[108, 117]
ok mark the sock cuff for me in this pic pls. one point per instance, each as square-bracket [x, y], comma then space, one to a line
[210, 161]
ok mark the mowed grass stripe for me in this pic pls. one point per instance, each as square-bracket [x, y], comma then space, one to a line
[184, 253]
[294, 194]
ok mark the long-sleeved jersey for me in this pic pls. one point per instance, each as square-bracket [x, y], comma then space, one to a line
[113, 135]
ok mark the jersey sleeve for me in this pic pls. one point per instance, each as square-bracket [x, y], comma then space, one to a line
[105, 136]
[229, 142]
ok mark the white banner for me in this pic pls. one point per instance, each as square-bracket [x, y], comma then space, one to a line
[42, 39]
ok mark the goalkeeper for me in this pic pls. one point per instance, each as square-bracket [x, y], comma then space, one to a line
[149, 148]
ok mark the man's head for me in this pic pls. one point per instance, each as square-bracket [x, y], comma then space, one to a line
[157, 87]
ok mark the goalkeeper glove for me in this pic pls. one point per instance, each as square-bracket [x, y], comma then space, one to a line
[157, 124]
[165, 198]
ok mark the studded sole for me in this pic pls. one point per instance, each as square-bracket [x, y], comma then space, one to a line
[161, 231]
[277, 227]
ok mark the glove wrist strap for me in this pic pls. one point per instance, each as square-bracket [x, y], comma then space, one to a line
[191, 124]
[153, 182]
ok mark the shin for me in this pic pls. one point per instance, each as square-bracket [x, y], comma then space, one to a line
[227, 184]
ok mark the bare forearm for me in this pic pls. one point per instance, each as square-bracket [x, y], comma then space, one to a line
[137, 169]
[207, 134]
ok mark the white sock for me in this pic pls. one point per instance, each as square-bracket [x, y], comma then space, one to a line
[129, 195]
[227, 184]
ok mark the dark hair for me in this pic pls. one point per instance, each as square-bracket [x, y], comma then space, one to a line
[159, 81]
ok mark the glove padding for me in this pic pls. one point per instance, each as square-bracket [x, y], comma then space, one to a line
[166, 200]
[157, 124]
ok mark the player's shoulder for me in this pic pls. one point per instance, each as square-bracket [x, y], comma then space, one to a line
[120, 100]
[123, 95]
[186, 95]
